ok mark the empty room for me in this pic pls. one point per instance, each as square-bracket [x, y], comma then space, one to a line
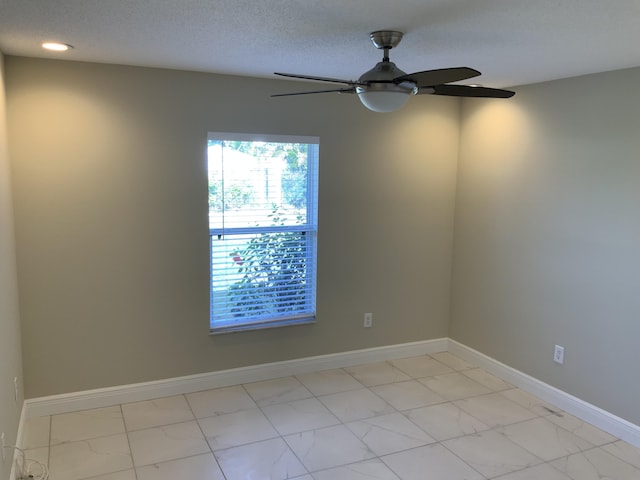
[279, 239]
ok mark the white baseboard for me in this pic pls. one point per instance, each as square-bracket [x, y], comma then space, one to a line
[104, 397]
[585, 411]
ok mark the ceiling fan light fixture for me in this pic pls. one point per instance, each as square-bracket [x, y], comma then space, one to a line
[379, 92]
[383, 100]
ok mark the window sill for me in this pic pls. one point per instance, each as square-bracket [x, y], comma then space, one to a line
[245, 327]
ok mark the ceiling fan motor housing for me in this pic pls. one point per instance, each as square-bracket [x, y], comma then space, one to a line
[380, 78]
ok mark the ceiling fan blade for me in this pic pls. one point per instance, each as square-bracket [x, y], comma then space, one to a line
[468, 91]
[429, 78]
[318, 79]
[338, 90]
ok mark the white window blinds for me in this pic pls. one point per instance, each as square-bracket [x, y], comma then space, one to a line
[263, 230]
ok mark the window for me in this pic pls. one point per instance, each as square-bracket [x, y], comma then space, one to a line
[262, 230]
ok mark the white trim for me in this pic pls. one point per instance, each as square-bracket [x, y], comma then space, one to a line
[587, 412]
[103, 397]
[263, 137]
[19, 435]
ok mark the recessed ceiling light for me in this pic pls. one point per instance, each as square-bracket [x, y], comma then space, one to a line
[56, 47]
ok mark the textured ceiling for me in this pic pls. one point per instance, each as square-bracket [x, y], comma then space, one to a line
[512, 42]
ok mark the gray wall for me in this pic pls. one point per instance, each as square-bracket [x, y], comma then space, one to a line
[547, 239]
[111, 220]
[10, 356]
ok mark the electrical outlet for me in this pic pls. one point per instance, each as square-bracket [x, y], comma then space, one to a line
[368, 320]
[558, 354]
[2, 444]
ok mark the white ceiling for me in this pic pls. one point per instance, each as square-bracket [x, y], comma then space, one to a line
[513, 42]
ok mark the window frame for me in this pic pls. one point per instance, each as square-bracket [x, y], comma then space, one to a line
[309, 229]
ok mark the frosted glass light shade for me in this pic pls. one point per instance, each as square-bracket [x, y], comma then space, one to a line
[383, 101]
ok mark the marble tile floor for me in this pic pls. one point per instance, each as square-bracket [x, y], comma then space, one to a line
[432, 417]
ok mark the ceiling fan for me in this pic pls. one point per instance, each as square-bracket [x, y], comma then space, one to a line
[385, 87]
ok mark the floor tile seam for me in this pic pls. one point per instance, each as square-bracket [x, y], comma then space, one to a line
[307, 429]
[389, 430]
[429, 357]
[466, 398]
[90, 439]
[432, 445]
[154, 399]
[618, 457]
[580, 451]
[328, 370]
[600, 447]
[319, 397]
[406, 415]
[246, 391]
[591, 445]
[543, 460]
[615, 439]
[296, 456]
[316, 395]
[324, 469]
[540, 461]
[538, 417]
[124, 416]
[343, 423]
[281, 437]
[387, 362]
[160, 425]
[309, 471]
[357, 462]
[206, 440]
[242, 410]
[49, 445]
[278, 434]
[543, 405]
[251, 442]
[361, 419]
[93, 477]
[186, 395]
[433, 404]
[287, 402]
[269, 420]
[258, 404]
[454, 399]
[430, 389]
[548, 463]
[135, 467]
[132, 466]
[170, 460]
[491, 427]
[135, 474]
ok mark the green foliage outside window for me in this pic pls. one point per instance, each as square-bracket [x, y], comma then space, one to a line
[274, 272]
